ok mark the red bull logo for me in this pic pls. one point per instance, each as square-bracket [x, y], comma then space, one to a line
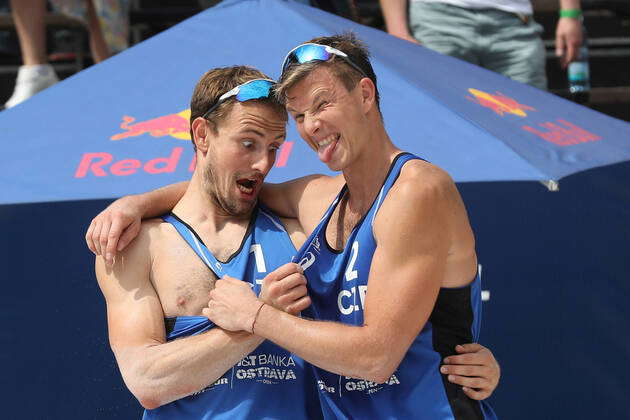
[499, 103]
[562, 133]
[174, 125]
[559, 132]
[102, 164]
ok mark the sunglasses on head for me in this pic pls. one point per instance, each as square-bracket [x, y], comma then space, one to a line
[254, 89]
[315, 52]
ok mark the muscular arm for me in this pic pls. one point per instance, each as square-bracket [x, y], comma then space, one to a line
[303, 198]
[396, 20]
[114, 228]
[405, 277]
[283, 198]
[155, 371]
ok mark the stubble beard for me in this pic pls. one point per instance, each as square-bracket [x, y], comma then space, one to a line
[230, 206]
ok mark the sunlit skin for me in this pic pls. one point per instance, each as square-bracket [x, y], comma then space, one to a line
[236, 159]
[159, 275]
[346, 130]
[333, 121]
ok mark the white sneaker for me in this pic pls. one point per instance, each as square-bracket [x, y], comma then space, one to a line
[30, 80]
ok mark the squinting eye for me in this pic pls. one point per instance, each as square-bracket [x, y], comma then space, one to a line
[274, 148]
[248, 143]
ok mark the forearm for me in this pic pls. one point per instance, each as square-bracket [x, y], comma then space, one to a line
[395, 16]
[332, 346]
[162, 373]
[157, 202]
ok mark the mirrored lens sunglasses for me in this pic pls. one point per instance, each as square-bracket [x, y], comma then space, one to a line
[254, 89]
[315, 52]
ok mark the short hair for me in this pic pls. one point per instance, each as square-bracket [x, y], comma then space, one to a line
[215, 83]
[349, 44]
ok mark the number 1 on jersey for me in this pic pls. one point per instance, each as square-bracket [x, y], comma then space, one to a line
[260, 258]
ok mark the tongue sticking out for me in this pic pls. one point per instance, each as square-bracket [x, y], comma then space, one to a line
[325, 153]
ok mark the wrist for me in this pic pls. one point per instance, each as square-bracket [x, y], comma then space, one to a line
[142, 203]
[573, 13]
[253, 325]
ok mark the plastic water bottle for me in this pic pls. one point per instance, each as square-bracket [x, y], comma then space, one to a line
[579, 74]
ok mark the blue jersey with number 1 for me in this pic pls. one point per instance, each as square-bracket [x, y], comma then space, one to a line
[268, 383]
[338, 283]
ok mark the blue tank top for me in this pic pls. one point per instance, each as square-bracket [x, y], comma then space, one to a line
[338, 281]
[268, 383]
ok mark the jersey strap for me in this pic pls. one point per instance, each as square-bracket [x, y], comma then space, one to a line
[235, 266]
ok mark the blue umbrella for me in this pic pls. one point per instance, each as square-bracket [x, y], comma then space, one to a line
[121, 127]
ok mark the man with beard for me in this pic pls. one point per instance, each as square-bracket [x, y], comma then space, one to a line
[425, 254]
[172, 358]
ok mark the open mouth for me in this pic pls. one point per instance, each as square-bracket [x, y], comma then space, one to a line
[326, 147]
[247, 185]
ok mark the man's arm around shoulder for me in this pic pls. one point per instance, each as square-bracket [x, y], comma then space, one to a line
[304, 198]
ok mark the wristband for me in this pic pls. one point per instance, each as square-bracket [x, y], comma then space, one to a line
[570, 13]
[256, 316]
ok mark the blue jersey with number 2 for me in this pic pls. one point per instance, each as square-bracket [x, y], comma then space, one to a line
[338, 283]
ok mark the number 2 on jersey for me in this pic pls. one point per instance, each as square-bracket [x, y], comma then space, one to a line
[351, 273]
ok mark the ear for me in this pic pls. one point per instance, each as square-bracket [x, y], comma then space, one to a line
[202, 134]
[368, 93]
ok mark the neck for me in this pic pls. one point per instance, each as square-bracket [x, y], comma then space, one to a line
[365, 175]
[198, 208]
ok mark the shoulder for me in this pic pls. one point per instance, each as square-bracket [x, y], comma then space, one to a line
[151, 231]
[420, 180]
[417, 215]
[423, 192]
[311, 184]
[323, 185]
[132, 265]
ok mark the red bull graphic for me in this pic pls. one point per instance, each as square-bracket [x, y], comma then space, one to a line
[499, 103]
[174, 125]
[563, 134]
[560, 132]
[101, 164]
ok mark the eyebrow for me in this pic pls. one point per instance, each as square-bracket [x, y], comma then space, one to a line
[251, 130]
[260, 134]
[316, 98]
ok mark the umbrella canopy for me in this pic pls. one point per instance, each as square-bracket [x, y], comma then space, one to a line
[121, 127]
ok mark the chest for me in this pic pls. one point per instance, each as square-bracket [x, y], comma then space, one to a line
[341, 225]
[180, 267]
[181, 280]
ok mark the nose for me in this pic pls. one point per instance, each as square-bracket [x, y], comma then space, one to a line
[263, 162]
[311, 125]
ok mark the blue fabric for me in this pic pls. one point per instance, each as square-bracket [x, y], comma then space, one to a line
[337, 282]
[114, 116]
[268, 383]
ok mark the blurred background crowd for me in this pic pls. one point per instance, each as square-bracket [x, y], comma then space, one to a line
[43, 41]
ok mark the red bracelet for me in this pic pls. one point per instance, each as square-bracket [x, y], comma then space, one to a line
[256, 316]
